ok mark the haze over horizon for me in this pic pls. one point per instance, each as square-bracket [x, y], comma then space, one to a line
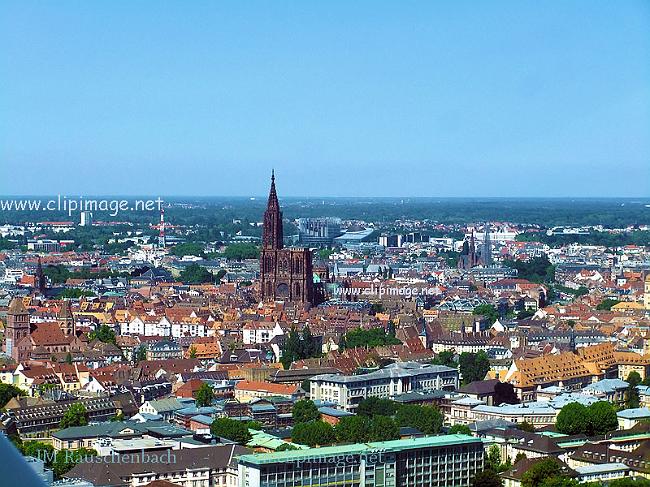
[414, 99]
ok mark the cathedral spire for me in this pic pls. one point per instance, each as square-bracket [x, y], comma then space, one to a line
[272, 237]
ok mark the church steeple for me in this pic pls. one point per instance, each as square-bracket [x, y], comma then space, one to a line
[40, 278]
[272, 237]
[66, 319]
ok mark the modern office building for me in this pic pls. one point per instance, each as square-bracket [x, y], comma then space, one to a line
[436, 461]
[347, 391]
[318, 232]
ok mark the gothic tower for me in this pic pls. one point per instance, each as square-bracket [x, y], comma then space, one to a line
[17, 327]
[486, 253]
[66, 319]
[40, 283]
[272, 237]
[286, 273]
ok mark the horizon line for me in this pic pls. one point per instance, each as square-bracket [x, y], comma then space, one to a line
[149, 195]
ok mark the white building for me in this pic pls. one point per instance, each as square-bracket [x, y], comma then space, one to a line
[261, 332]
[85, 219]
[347, 391]
[193, 328]
[147, 326]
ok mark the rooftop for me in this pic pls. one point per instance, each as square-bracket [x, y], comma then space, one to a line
[358, 448]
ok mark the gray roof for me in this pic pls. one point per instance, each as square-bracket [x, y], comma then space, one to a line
[166, 405]
[116, 429]
[636, 413]
[113, 473]
[397, 370]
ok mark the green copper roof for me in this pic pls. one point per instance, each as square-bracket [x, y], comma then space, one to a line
[358, 448]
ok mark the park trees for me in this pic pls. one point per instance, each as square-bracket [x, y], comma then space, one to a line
[304, 411]
[231, 429]
[204, 395]
[596, 419]
[427, 419]
[76, 415]
[313, 433]
[473, 366]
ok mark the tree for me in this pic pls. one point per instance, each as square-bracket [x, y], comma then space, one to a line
[626, 482]
[427, 419]
[290, 349]
[572, 419]
[253, 425]
[192, 351]
[602, 418]
[7, 392]
[504, 392]
[308, 346]
[314, 433]
[299, 346]
[371, 338]
[196, 274]
[632, 400]
[76, 415]
[520, 456]
[66, 459]
[119, 416]
[352, 429]
[473, 366]
[493, 458]
[526, 426]
[537, 269]
[383, 428]
[304, 411]
[231, 429]
[241, 251]
[140, 354]
[540, 471]
[606, 304]
[68, 358]
[488, 311]
[446, 358]
[560, 481]
[487, 478]
[187, 248]
[373, 406]
[219, 275]
[459, 429]
[204, 395]
[37, 449]
[74, 293]
[324, 254]
[286, 447]
[103, 333]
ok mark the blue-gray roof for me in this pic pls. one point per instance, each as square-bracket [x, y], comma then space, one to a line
[636, 413]
[337, 413]
[396, 370]
[606, 386]
[202, 418]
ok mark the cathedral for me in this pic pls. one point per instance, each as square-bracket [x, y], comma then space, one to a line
[286, 273]
[471, 256]
[39, 341]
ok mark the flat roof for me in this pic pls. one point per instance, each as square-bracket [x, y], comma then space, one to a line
[359, 448]
[601, 468]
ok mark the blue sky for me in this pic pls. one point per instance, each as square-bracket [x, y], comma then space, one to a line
[341, 98]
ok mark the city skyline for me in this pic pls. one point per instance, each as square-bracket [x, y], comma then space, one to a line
[413, 100]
